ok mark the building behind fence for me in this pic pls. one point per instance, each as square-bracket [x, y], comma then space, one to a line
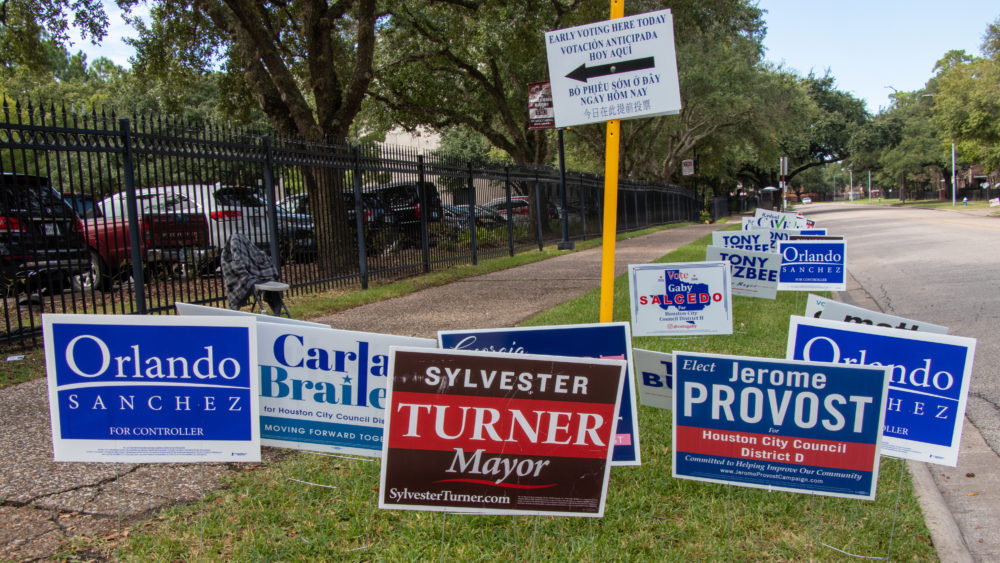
[158, 197]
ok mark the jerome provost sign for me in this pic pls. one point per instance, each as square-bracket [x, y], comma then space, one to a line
[690, 298]
[597, 340]
[623, 68]
[928, 386]
[498, 433]
[142, 389]
[323, 389]
[803, 427]
[813, 265]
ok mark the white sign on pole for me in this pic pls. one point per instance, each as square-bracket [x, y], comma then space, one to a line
[623, 68]
[687, 167]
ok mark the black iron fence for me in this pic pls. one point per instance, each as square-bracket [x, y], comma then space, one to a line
[156, 199]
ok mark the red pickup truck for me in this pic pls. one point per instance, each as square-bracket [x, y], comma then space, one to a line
[171, 241]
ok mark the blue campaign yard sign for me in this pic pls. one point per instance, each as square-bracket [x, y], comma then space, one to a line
[812, 265]
[599, 340]
[929, 384]
[129, 388]
[786, 425]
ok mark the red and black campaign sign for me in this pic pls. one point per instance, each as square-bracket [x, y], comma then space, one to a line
[491, 433]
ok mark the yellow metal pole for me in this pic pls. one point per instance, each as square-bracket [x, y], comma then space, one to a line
[610, 203]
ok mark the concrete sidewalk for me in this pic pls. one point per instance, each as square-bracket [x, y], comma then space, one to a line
[45, 503]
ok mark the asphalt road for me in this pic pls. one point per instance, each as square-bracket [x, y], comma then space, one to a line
[942, 267]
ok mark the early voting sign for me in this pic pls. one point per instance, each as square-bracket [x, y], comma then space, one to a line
[929, 383]
[683, 298]
[813, 265]
[802, 427]
[323, 389]
[598, 340]
[491, 433]
[140, 389]
[753, 274]
[623, 68]
[654, 371]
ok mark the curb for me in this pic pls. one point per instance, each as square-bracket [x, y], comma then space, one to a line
[945, 534]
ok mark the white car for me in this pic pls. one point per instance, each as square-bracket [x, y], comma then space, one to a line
[807, 200]
[228, 209]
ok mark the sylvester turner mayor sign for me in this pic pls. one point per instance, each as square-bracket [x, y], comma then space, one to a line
[126, 388]
[794, 426]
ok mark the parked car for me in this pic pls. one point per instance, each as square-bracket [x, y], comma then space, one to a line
[807, 199]
[520, 206]
[457, 216]
[392, 211]
[173, 238]
[227, 209]
[83, 204]
[41, 237]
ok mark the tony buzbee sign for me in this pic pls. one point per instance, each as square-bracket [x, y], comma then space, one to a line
[126, 388]
[489, 433]
[753, 274]
[690, 298]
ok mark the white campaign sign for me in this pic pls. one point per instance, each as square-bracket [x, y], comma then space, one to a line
[616, 69]
[690, 298]
[655, 372]
[754, 274]
[837, 311]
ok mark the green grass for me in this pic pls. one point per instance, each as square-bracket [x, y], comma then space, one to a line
[266, 515]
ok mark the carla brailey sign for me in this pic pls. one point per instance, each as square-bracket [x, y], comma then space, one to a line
[325, 389]
[689, 298]
[928, 386]
[753, 274]
[596, 340]
[146, 389]
[813, 265]
[837, 311]
[623, 68]
[499, 433]
[655, 371]
[805, 427]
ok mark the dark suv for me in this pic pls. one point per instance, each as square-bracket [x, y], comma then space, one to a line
[41, 238]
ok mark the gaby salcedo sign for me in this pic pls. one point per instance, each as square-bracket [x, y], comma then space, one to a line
[597, 340]
[140, 389]
[499, 433]
[928, 387]
[813, 265]
[794, 426]
[753, 274]
[325, 389]
[691, 298]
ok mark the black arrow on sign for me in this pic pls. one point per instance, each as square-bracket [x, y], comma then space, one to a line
[582, 73]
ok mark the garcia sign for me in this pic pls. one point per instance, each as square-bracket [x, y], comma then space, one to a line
[793, 426]
[928, 387]
[812, 265]
[489, 433]
[324, 389]
[126, 388]
[690, 298]
[598, 340]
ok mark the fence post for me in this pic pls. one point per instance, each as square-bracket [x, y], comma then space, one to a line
[472, 219]
[424, 234]
[565, 243]
[132, 208]
[510, 218]
[272, 218]
[583, 205]
[359, 218]
[538, 214]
